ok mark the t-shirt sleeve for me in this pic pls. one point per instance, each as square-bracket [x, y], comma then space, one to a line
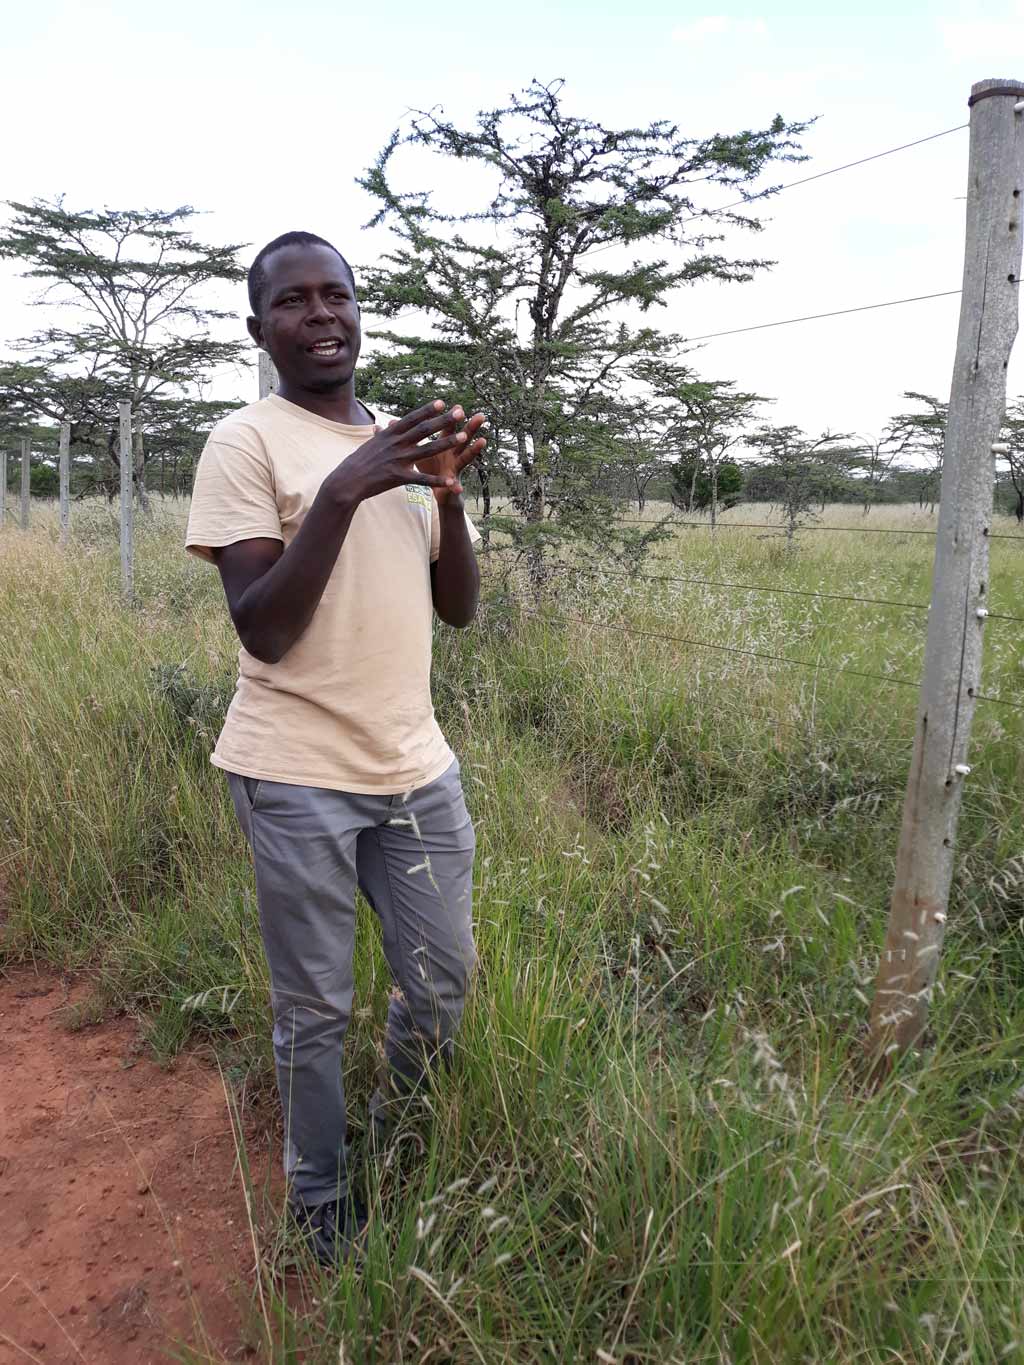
[233, 498]
[435, 532]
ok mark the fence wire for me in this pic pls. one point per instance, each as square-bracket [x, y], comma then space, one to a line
[771, 589]
[816, 666]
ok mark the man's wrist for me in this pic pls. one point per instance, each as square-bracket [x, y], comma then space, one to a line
[450, 502]
[341, 493]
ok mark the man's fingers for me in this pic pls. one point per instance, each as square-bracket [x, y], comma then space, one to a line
[433, 480]
[410, 419]
[445, 421]
[468, 455]
[446, 441]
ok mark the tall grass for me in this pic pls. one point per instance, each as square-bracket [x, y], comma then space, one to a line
[656, 1144]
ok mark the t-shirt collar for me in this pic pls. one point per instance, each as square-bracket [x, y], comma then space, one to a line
[342, 428]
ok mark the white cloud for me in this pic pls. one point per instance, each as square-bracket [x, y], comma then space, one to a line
[717, 26]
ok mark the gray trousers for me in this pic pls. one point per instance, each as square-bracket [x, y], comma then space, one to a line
[412, 857]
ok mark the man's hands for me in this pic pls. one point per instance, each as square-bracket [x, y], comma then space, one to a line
[450, 462]
[394, 457]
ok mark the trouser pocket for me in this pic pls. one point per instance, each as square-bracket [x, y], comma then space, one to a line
[244, 794]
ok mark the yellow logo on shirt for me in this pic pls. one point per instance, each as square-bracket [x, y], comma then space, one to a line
[418, 496]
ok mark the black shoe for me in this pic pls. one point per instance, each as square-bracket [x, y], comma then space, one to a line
[335, 1231]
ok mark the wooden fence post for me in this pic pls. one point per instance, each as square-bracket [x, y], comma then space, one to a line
[952, 667]
[268, 375]
[26, 480]
[124, 416]
[65, 480]
[3, 488]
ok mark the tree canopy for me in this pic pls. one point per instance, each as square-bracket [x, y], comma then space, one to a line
[130, 290]
[519, 290]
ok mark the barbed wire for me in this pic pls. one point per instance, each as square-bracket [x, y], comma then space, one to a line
[769, 588]
[776, 526]
[813, 317]
[762, 655]
[792, 184]
[820, 175]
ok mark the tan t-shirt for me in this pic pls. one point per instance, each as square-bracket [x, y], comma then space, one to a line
[348, 707]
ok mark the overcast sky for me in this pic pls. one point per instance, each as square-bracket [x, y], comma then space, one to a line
[263, 115]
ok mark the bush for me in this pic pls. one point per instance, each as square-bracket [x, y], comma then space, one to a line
[730, 486]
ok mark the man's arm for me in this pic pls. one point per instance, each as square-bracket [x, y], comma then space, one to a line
[273, 592]
[455, 575]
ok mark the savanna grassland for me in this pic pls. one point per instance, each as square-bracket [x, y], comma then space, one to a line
[656, 1143]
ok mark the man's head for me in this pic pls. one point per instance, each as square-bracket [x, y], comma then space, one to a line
[304, 312]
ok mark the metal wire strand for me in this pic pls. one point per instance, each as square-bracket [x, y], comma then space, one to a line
[736, 649]
[768, 588]
[775, 526]
[813, 317]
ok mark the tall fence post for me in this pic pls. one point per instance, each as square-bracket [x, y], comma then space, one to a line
[952, 667]
[124, 417]
[268, 375]
[65, 480]
[3, 488]
[26, 480]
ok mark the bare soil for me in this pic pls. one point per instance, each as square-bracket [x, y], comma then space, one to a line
[123, 1227]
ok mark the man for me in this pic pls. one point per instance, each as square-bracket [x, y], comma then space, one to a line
[336, 538]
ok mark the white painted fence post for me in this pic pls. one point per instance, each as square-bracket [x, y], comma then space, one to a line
[268, 375]
[65, 480]
[952, 668]
[124, 415]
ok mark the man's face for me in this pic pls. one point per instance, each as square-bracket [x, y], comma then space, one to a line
[309, 320]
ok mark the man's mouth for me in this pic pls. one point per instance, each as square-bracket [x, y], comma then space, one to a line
[330, 347]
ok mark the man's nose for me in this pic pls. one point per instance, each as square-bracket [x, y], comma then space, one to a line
[320, 311]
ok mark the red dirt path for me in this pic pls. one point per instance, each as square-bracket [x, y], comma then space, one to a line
[123, 1229]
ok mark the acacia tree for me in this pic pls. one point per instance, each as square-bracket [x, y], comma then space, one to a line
[1012, 435]
[525, 276]
[878, 459]
[924, 435]
[795, 472]
[641, 450]
[705, 420]
[132, 281]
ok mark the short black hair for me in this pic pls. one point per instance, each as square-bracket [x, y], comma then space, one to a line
[257, 279]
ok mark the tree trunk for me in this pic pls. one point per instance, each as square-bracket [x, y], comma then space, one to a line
[714, 495]
[112, 482]
[536, 498]
[792, 519]
[693, 486]
[140, 472]
[534, 516]
[484, 475]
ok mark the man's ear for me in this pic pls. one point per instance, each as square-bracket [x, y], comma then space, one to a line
[255, 330]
